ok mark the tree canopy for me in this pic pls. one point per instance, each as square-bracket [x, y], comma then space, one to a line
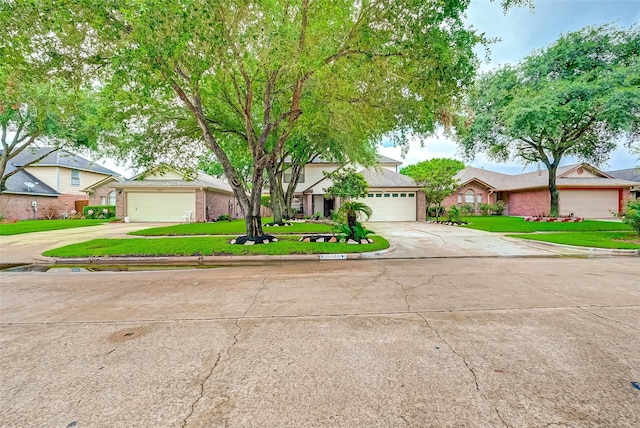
[577, 97]
[436, 176]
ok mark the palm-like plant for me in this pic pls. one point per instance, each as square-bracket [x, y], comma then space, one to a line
[352, 210]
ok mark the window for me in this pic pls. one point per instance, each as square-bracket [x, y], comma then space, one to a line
[112, 198]
[469, 197]
[75, 177]
[479, 198]
[394, 195]
[459, 198]
[378, 195]
[287, 176]
[412, 195]
[387, 195]
[103, 200]
[403, 195]
[370, 195]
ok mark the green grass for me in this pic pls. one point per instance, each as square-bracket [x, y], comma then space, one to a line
[615, 240]
[235, 227]
[28, 226]
[517, 224]
[205, 246]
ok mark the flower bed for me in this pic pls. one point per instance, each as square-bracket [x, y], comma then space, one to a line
[554, 219]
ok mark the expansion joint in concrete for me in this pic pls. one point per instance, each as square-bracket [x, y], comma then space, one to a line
[582, 308]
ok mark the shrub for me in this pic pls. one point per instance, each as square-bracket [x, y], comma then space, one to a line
[99, 211]
[454, 215]
[632, 215]
[223, 217]
[498, 207]
[485, 208]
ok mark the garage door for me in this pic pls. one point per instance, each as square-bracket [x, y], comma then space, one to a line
[392, 206]
[589, 203]
[160, 206]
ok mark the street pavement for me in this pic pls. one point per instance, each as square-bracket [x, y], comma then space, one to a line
[452, 342]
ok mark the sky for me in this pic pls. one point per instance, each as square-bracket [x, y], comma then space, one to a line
[521, 31]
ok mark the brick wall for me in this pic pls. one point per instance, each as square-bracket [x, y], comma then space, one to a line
[218, 204]
[18, 207]
[95, 197]
[530, 202]
[478, 189]
[421, 203]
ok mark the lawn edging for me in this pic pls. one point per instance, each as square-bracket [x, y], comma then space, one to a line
[612, 251]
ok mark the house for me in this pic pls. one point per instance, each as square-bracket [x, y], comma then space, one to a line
[166, 194]
[630, 174]
[392, 196]
[51, 187]
[584, 190]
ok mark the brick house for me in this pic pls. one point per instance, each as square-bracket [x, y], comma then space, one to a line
[51, 187]
[166, 194]
[584, 190]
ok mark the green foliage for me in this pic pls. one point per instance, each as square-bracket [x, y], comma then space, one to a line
[454, 214]
[203, 246]
[632, 215]
[99, 211]
[223, 217]
[347, 184]
[614, 240]
[234, 227]
[484, 208]
[265, 201]
[517, 224]
[355, 209]
[576, 97]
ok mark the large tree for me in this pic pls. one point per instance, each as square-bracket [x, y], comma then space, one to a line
[437, 178]
[242, 73]
[577, 97]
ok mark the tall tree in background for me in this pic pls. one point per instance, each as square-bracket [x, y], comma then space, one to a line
[577, 97]
[437, 178]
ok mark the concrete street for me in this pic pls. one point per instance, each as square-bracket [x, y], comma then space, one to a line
[479, 342]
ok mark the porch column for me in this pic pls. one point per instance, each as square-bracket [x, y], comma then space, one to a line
[308, 204]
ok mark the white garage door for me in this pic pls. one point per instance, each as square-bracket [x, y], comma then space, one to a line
[159, 206]
[589, 203]
[392, 206]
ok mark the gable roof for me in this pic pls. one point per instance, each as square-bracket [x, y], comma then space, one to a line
[61, 158]
[540, 179]
[200, 181]
[16, 184]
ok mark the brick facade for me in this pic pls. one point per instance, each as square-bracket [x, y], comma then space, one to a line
[18, 207]
[421, 206]
[530, 202]
[462, 196]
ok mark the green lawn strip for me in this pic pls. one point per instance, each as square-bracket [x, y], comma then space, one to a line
[235, 227]
[517, 224]
[28, 226]
[614, 240]
[205, 246]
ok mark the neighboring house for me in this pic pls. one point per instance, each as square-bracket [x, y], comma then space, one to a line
[584, 190]
[392, 196]
[50, 188]
[165, 194]
[631, 174]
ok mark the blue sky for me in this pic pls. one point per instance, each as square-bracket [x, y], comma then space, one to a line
[521, 31]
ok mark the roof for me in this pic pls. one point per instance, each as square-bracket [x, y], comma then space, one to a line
[380, 177]
[538, 179]
[17, 184]
[201, 180]
[382, 159]
[630, 174]
[60, 158]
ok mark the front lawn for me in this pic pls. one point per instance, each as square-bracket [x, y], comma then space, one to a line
[235, 227]
[614, 240]
[517, 224]
[205, 246]
[28, 226]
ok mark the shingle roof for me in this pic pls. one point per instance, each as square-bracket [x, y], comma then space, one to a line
[16, 184]
[630, 174]
[385, 178]
[531, 180]
[382, 159]
[201, 181]
[59, 158]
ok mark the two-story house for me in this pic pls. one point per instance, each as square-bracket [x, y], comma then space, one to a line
[392, 196]
[51, 187]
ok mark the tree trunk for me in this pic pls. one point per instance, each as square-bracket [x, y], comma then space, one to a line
[276, 196]
[553, 190]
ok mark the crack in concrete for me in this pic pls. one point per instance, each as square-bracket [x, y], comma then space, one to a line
[466, 363]
[226, 352]
[582, 308]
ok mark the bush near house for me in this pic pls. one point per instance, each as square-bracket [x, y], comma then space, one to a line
[632, 215]
[99, 211]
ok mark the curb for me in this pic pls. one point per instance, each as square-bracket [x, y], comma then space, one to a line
[611, 251]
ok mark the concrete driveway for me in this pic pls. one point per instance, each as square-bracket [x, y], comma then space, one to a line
[422, 240]
[22, 249]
